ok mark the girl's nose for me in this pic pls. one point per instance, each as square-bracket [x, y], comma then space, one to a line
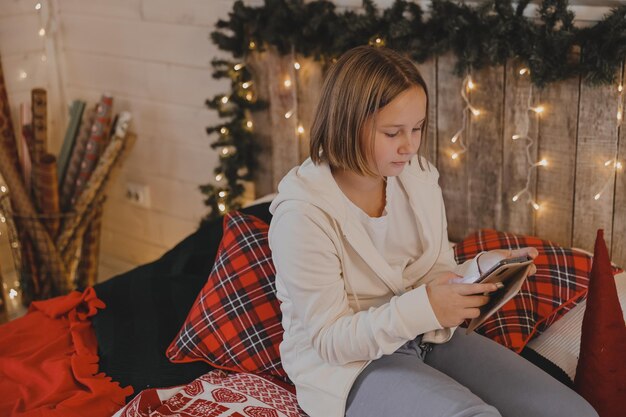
[409, 144]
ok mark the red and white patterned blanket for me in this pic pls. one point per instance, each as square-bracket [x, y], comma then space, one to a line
[216, 394]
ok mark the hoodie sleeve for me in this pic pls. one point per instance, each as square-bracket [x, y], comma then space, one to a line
[308, 267]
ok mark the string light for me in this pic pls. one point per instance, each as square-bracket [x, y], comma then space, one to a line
[12, 293]
[219, 177]
[38, 6]
[249, 124]
[300, 129]
[289, 114]
[249, 96]
[247, 84]
[224, 130]
[530, 142]
[468, 84]
[616, 167]
[238, 67]
[287, 82]
[252, 45]
[42, 32]
[3, 189]
[222, 207]
[296, 65]
[224, 100]
[23, 75]
[225, 151]
[222, 194]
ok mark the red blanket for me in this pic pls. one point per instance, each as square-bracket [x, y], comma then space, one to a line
[49, 362]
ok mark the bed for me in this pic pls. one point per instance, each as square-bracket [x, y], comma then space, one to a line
[121, 329]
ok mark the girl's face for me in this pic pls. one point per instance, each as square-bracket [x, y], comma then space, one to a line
[398, 132]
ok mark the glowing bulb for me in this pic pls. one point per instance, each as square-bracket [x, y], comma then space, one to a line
[543, 163]
[249, 96]
[538, 109]
[219, 177]
[536, 206]
[287, 83]
[3, 189]
[224, 100]
[252, 45]
[23, 75]
[246, 84]
[42, 32]
[378, 41]
[225, 151]
[224, 131]
[300, 129]
[238, 67]
[38, 6]
[249, 124]
[222, 194]
[619, 115]
[296, 65]
[289, 114]
[620, 88]
[618, 165]
[14, 245]
[515, 198]
[12, 293]
[455, 137]
[455, 155]
[609, 162]
[524, 71]
[597, 196]
[222, 207]
[516, 137]
[476, 112]
[3, 219]
[470, 84]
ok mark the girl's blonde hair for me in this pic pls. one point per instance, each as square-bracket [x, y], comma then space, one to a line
[361, 82]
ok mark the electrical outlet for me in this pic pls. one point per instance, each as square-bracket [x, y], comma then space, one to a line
[138, 194]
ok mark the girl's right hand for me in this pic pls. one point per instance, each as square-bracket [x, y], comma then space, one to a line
[453, 302]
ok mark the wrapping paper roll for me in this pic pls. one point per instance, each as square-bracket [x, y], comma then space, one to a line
[87, 273]
[47, 253]
[39, 108]
[73, 168]
[7, 134]
[76, 115]
[47, 191]
[98, 140]
[23, 139]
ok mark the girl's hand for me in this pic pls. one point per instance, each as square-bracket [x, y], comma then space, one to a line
[515, 253]
[454, 302]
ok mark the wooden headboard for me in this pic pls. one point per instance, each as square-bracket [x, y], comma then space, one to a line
[577, 133]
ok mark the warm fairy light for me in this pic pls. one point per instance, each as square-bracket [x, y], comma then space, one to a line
[620, 115]
[237, 67]
[3, 219]
[470, 84]
[287, 82]
[296, 65]
[222, 194]
[515, 198]
[224, 100]
[246, 84]
[38, 6]
[597, 196]
[620, 88]
[249, 96]
[219, 177]
[12, 293]
[300, 129]
[3, 188]
[536, 206]
[222, 207]
[515, 137]
[455, 137]
[455, 155]
[249, 124]
[42, 32]
[609, 162]
[475, 112]
[289, 114]
[524, 71]
[543, 163]
[252, 45]
[23, 75]
[618, 165]
[225, 151]
[538, 109]
[14, 245]
[378, 41]
[224, 131]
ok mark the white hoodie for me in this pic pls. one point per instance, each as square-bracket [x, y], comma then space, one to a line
[342, 304]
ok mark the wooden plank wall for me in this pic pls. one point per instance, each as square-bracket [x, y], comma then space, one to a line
[576, 133]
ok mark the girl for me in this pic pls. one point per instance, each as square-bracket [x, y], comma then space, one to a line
[366, 275]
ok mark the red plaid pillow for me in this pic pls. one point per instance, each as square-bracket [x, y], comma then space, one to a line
[234, 323]
[559, 285]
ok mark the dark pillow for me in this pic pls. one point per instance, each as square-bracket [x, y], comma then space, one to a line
[146, 307]
[235, 323]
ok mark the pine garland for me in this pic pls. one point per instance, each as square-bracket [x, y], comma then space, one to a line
[485, 35]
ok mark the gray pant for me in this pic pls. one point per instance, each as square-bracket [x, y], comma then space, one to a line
[468, 376]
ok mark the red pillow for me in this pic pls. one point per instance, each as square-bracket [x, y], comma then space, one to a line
[235, 322]
[601, 371]
[559, 285]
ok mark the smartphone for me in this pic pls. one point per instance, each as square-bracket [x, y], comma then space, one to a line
[508, 261]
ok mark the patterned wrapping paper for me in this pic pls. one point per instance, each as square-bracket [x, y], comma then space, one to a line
[76, 115]
[98, 140]
[48, 256]
[73, 167]
[24, 136]
[87, 273]
[47, 191]
[39, 106]
[7, 134]
[96, 186]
